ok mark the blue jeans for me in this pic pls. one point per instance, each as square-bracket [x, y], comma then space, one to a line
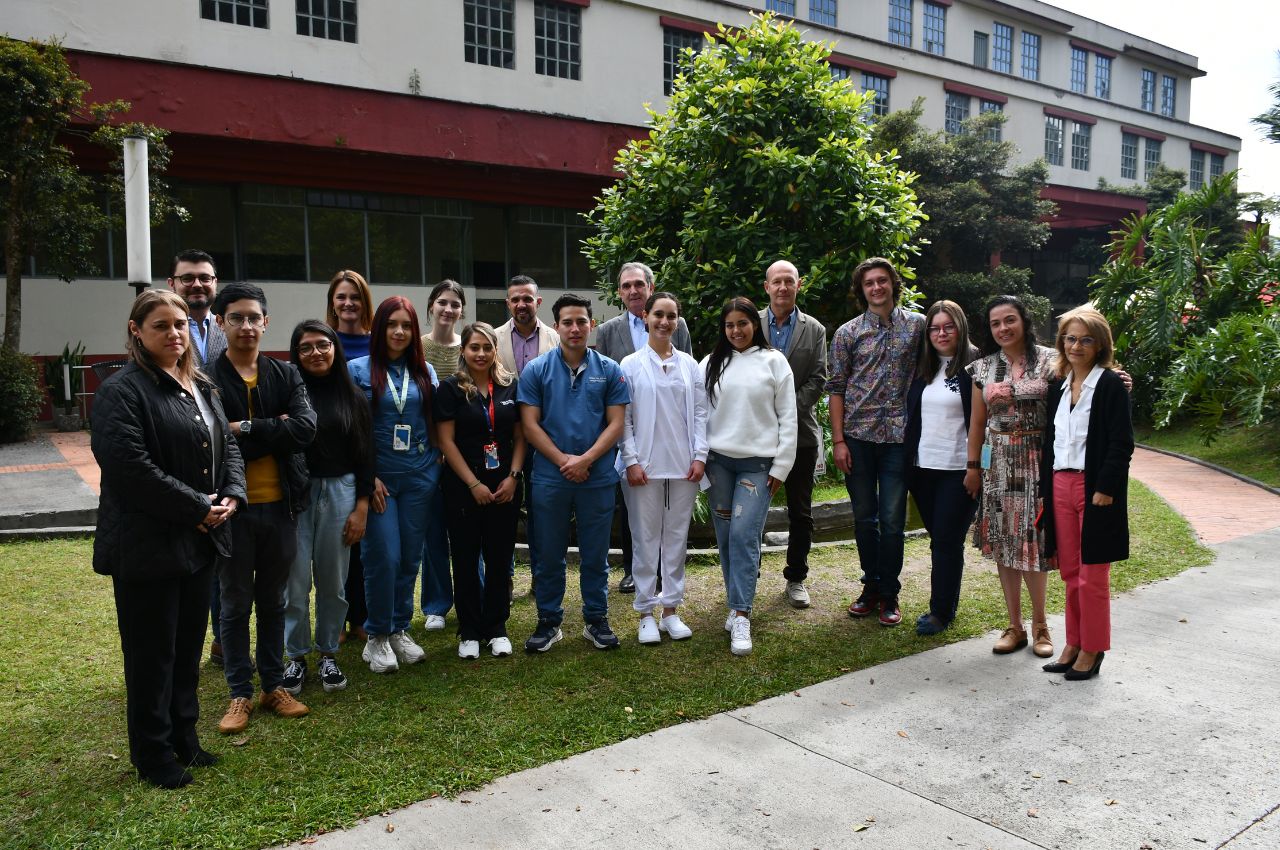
[437, 585]
[878, 490]
[739, 499]
[322, 559]
[392, 549]
[552, 506]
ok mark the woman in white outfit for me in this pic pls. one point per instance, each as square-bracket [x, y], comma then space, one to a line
[664, 453]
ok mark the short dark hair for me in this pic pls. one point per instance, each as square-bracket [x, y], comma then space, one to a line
[570, 300]
[866, 266]
[192, 255]
[522, 280]
[238, 292]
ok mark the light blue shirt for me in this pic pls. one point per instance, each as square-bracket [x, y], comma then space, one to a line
[780, 335]
[421, 453]
[639, 331]
[200, 335]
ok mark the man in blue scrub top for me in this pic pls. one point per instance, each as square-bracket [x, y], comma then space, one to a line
[571, 405]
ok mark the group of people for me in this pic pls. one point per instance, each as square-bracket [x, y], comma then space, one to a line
[233, 483]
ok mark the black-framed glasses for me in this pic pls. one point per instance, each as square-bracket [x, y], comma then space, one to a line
[308, 348]
[192, 278]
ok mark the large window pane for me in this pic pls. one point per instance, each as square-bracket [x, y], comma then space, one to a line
[445, 249]
[581, 277]
[395, 248]
[336, 239]
[209, 227]
[489, 248]
[539, 253]
[275, 243]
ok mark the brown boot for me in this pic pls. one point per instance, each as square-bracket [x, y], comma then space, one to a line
[1011, 640]
[282, 703]
[1043, 644]
[237, 717]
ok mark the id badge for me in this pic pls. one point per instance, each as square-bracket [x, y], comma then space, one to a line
[986, 455]
[401, 438]
[491, 456]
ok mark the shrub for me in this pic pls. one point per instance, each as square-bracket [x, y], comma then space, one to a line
[20, 395]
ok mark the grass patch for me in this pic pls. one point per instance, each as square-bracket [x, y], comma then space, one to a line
[1254, 452]
[439, 728]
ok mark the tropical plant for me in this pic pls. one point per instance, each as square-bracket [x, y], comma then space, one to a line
[73, 358]
[20, 395]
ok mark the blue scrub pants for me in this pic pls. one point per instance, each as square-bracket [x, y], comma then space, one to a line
[551, 508]
[437, 583]
[392, 548]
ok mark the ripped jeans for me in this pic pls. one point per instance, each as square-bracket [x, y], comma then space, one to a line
[739, 499]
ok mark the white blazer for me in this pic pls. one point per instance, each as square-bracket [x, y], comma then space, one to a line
[641, 370]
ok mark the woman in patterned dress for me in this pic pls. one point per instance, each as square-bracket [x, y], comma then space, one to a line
[1006, 429]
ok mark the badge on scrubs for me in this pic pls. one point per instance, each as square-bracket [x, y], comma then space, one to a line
[491, 456]
[401, 438]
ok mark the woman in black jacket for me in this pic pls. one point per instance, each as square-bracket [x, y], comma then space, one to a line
[936, 442]
[172, 477]
[1084, 480]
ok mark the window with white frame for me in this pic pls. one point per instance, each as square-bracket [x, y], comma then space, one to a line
[1102, 76]
[1079, 70]
[557, 39]
[1195, 180]
[996, 132]
[331, 19]
[1168, 95]
[1151, 157]
[1129, 156]
[245, 13]
[823, 12]
[935, 29]
[880, 85]
[782, 7]
[1081, 138]
[1217, 164]
[1148, 90]
[1030, 56]
[900, 22]
[1002, 48]
[1053, 141]
[957, 112]
[489, 32]
[674, 59]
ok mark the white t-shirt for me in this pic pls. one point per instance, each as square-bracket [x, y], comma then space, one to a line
[943, 437]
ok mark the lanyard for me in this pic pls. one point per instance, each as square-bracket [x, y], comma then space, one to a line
[492, 419]
[404, 390]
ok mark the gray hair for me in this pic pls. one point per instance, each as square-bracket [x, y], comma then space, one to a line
[635, 265]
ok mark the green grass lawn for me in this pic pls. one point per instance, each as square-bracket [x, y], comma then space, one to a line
[1254, 452]
[438, 728]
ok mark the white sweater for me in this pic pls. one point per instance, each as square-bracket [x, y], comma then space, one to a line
[754, 412]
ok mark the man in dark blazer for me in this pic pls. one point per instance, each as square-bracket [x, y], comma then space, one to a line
[804, 340]
[623, 335]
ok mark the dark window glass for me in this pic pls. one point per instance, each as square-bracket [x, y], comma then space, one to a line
[488, 32]
[245, 13]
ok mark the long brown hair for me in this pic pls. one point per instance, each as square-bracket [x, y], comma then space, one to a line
[927, 361]
[366, 299]
[142, 307]
[498, 373]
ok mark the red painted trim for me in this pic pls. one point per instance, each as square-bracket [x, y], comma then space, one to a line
[974, 91]
[1201, 146]
[583, 3]
[1093, 48]
[859, 65]
[1146, 134]
[1078, 117]
[687, 26]
[1081, 208]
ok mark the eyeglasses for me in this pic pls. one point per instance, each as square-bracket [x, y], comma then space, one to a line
[940, 330]
[1071, 340]
[192, 278]
[235, 320]
[307, 348]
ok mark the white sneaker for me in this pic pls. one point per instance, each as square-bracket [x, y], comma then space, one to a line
[468, 649]
[675, 627]
[500, 647]
[377, 652]
[407, 652]
[797, 594]
[435, 623]
[648, 632]
[728, 624]
[740, 637]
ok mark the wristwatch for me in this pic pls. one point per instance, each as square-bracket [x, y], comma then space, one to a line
[515, 473]
[246, 425]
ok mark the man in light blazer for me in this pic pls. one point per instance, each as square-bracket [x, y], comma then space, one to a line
[623, 335]
[804, 340]
[531, 336]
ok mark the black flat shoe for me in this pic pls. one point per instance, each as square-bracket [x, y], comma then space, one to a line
[168, 776]
[200, 757]
[1074, 675]
[1058, 666]
[627, 585]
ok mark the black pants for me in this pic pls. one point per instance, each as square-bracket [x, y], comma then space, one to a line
[475, 530]
[357, 612]
[799, 488]
[162, 627]
[264, 540]
[624, 533]
[947, 512]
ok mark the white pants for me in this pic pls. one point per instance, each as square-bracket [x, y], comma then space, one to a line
[659, 514]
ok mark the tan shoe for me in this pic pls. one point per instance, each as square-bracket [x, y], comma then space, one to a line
[1043, 643]
[282, 703]
[1011, 640]
[237, 717]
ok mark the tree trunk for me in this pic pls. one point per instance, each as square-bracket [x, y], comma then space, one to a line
[13, 256]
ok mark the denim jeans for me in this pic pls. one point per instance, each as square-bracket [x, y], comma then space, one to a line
[437, 586]
[322, 560]
[552, 507]
[947, 511]
[739, 499]
[392, 549]
[878, 490]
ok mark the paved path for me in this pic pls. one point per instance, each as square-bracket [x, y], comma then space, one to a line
[48, 483]
[1174, 745]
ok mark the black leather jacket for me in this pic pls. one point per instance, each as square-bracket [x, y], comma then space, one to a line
[155, 455]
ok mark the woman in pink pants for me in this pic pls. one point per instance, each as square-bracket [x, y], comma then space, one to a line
[1084, 478]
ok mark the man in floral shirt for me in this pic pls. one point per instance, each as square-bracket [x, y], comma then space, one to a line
[872, 359]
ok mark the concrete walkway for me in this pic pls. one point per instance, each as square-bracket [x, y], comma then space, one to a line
[48, 485]
[1174, 745]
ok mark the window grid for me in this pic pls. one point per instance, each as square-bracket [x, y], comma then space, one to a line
[1151, 158]
[557, 40]
[1148, 90]
[900, 22]
[782, 7]
[879, 85]
[1053, 141]
[1102, 76]
[1168, 95]
[1128, 156]
[1030, 56]
[935, 29]
[1217, 164]
[1195, 181]
[674, 62]
[822, 12]
[980, 49]
[245, 13]
[331, 19]
[1002, 48]
[840, 72]
[489, 33]
[995, 133]
[1081, 138]
[1079, 70]
[957, 112]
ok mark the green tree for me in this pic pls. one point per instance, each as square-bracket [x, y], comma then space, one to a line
[760, 155]
[47, 204]
[1269, 121]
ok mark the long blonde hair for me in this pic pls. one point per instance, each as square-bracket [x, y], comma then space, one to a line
[143, 306]
[1096, 324]
[497, 371]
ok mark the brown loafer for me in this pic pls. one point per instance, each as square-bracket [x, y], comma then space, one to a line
[1011, 640]
[1043, 644]
[237, 717]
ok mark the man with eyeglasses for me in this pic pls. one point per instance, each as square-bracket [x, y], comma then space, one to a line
[194, 278]
[273, 422]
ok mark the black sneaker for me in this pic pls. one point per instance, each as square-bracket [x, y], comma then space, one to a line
[331, 678]
[600, 635]
[295, 673]
[543, 637]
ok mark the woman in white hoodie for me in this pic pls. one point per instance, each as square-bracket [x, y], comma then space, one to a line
[752, 435]
[663, 456]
